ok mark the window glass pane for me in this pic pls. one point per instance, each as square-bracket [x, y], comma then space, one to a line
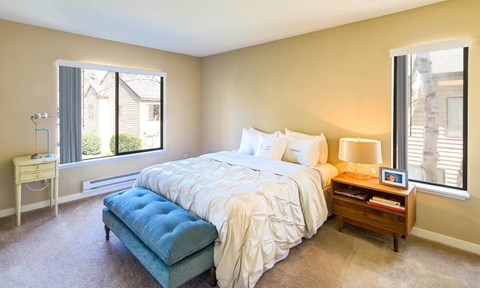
[138, 106]
[435, 117]
[98, 113]
[139, 122]
[455, 116]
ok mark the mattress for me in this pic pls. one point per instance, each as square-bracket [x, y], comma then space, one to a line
[328, 171]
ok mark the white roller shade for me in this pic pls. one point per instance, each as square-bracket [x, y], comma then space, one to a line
[83, 65]
[428, 47]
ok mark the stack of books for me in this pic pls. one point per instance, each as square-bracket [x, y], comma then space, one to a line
[354, 194]
[388, 202]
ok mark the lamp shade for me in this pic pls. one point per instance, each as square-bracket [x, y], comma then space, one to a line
[357, 150]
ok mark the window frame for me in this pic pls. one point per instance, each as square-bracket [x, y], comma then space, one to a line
[117, 71]
[117, 118]
[397, 61]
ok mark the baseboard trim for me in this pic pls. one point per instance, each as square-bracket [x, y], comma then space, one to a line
[446, 240]
[419, 232]
[43, 204]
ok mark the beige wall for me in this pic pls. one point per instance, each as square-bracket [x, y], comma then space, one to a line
[28, 84]
[336, 81]
[339, 81]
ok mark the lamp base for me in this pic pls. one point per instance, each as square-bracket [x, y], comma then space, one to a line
[36, 156]
[360, 171]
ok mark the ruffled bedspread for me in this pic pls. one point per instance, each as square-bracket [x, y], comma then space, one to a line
[261, 208]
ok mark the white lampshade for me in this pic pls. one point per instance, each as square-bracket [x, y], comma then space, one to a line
[358, 150]
[361, 154]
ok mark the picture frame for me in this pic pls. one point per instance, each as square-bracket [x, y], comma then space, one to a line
[393, 177]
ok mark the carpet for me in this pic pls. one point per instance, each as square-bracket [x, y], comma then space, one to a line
[70, 251]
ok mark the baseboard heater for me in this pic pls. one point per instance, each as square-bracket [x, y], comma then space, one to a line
[110, 184]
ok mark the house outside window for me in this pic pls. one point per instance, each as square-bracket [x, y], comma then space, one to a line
[111, 107]
[153, 112]
[455, 116]
[90, 111]
[430, 116]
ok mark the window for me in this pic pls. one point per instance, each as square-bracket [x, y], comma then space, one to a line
[153, 112]
[455, 116]
[106, 112]
[90, 111]
[430, 116]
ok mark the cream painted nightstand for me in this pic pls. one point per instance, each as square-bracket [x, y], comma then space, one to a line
[29, 170]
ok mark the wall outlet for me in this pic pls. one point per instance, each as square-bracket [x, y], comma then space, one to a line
[185, 156]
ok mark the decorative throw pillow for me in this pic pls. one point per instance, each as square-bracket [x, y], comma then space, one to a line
[250, 137]
[323, 157]
[271, 147]
[304, 152]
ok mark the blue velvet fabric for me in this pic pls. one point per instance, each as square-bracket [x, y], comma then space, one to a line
[168, 230]
[167, 276]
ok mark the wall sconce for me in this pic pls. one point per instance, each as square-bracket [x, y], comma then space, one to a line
[361, 154]
[35, 117]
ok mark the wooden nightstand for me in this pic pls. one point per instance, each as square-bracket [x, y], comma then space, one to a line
[378, 219]
[29, 170]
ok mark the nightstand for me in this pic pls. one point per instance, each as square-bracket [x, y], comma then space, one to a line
[29, 170]
[378, 219]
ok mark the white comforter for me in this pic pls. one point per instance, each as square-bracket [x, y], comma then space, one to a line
[261, 208]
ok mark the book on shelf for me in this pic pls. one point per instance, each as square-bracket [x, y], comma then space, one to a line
[388, 199]
[387, 206]
[354, 194]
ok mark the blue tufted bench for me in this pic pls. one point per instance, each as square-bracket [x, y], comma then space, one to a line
[172, 244]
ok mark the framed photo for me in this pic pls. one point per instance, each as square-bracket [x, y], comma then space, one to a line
[393, 177]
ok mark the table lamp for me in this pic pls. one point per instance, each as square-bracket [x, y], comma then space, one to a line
[35, 117]
[360, 155]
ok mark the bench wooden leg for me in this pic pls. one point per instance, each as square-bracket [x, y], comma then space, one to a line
[213, 277]
[107, 233]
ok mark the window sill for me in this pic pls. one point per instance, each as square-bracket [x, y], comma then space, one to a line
[443, 191]
[110, 159]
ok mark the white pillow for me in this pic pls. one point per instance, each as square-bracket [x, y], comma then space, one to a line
[249, 142]
[323, 157]
[249, 138]
[305, 152]
[271, 147]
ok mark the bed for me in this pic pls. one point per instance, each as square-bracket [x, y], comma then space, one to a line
[260, 207]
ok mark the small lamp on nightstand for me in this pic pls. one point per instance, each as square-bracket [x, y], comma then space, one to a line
[360, 155]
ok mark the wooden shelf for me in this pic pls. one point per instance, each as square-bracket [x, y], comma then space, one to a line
[364, 204]
[378, 219]
[373, 184]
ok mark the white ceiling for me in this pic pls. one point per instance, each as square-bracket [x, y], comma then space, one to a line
[195, 27]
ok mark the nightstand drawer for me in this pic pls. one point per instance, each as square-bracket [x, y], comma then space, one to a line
[26, 177]
[377, 218]
[37, 168]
